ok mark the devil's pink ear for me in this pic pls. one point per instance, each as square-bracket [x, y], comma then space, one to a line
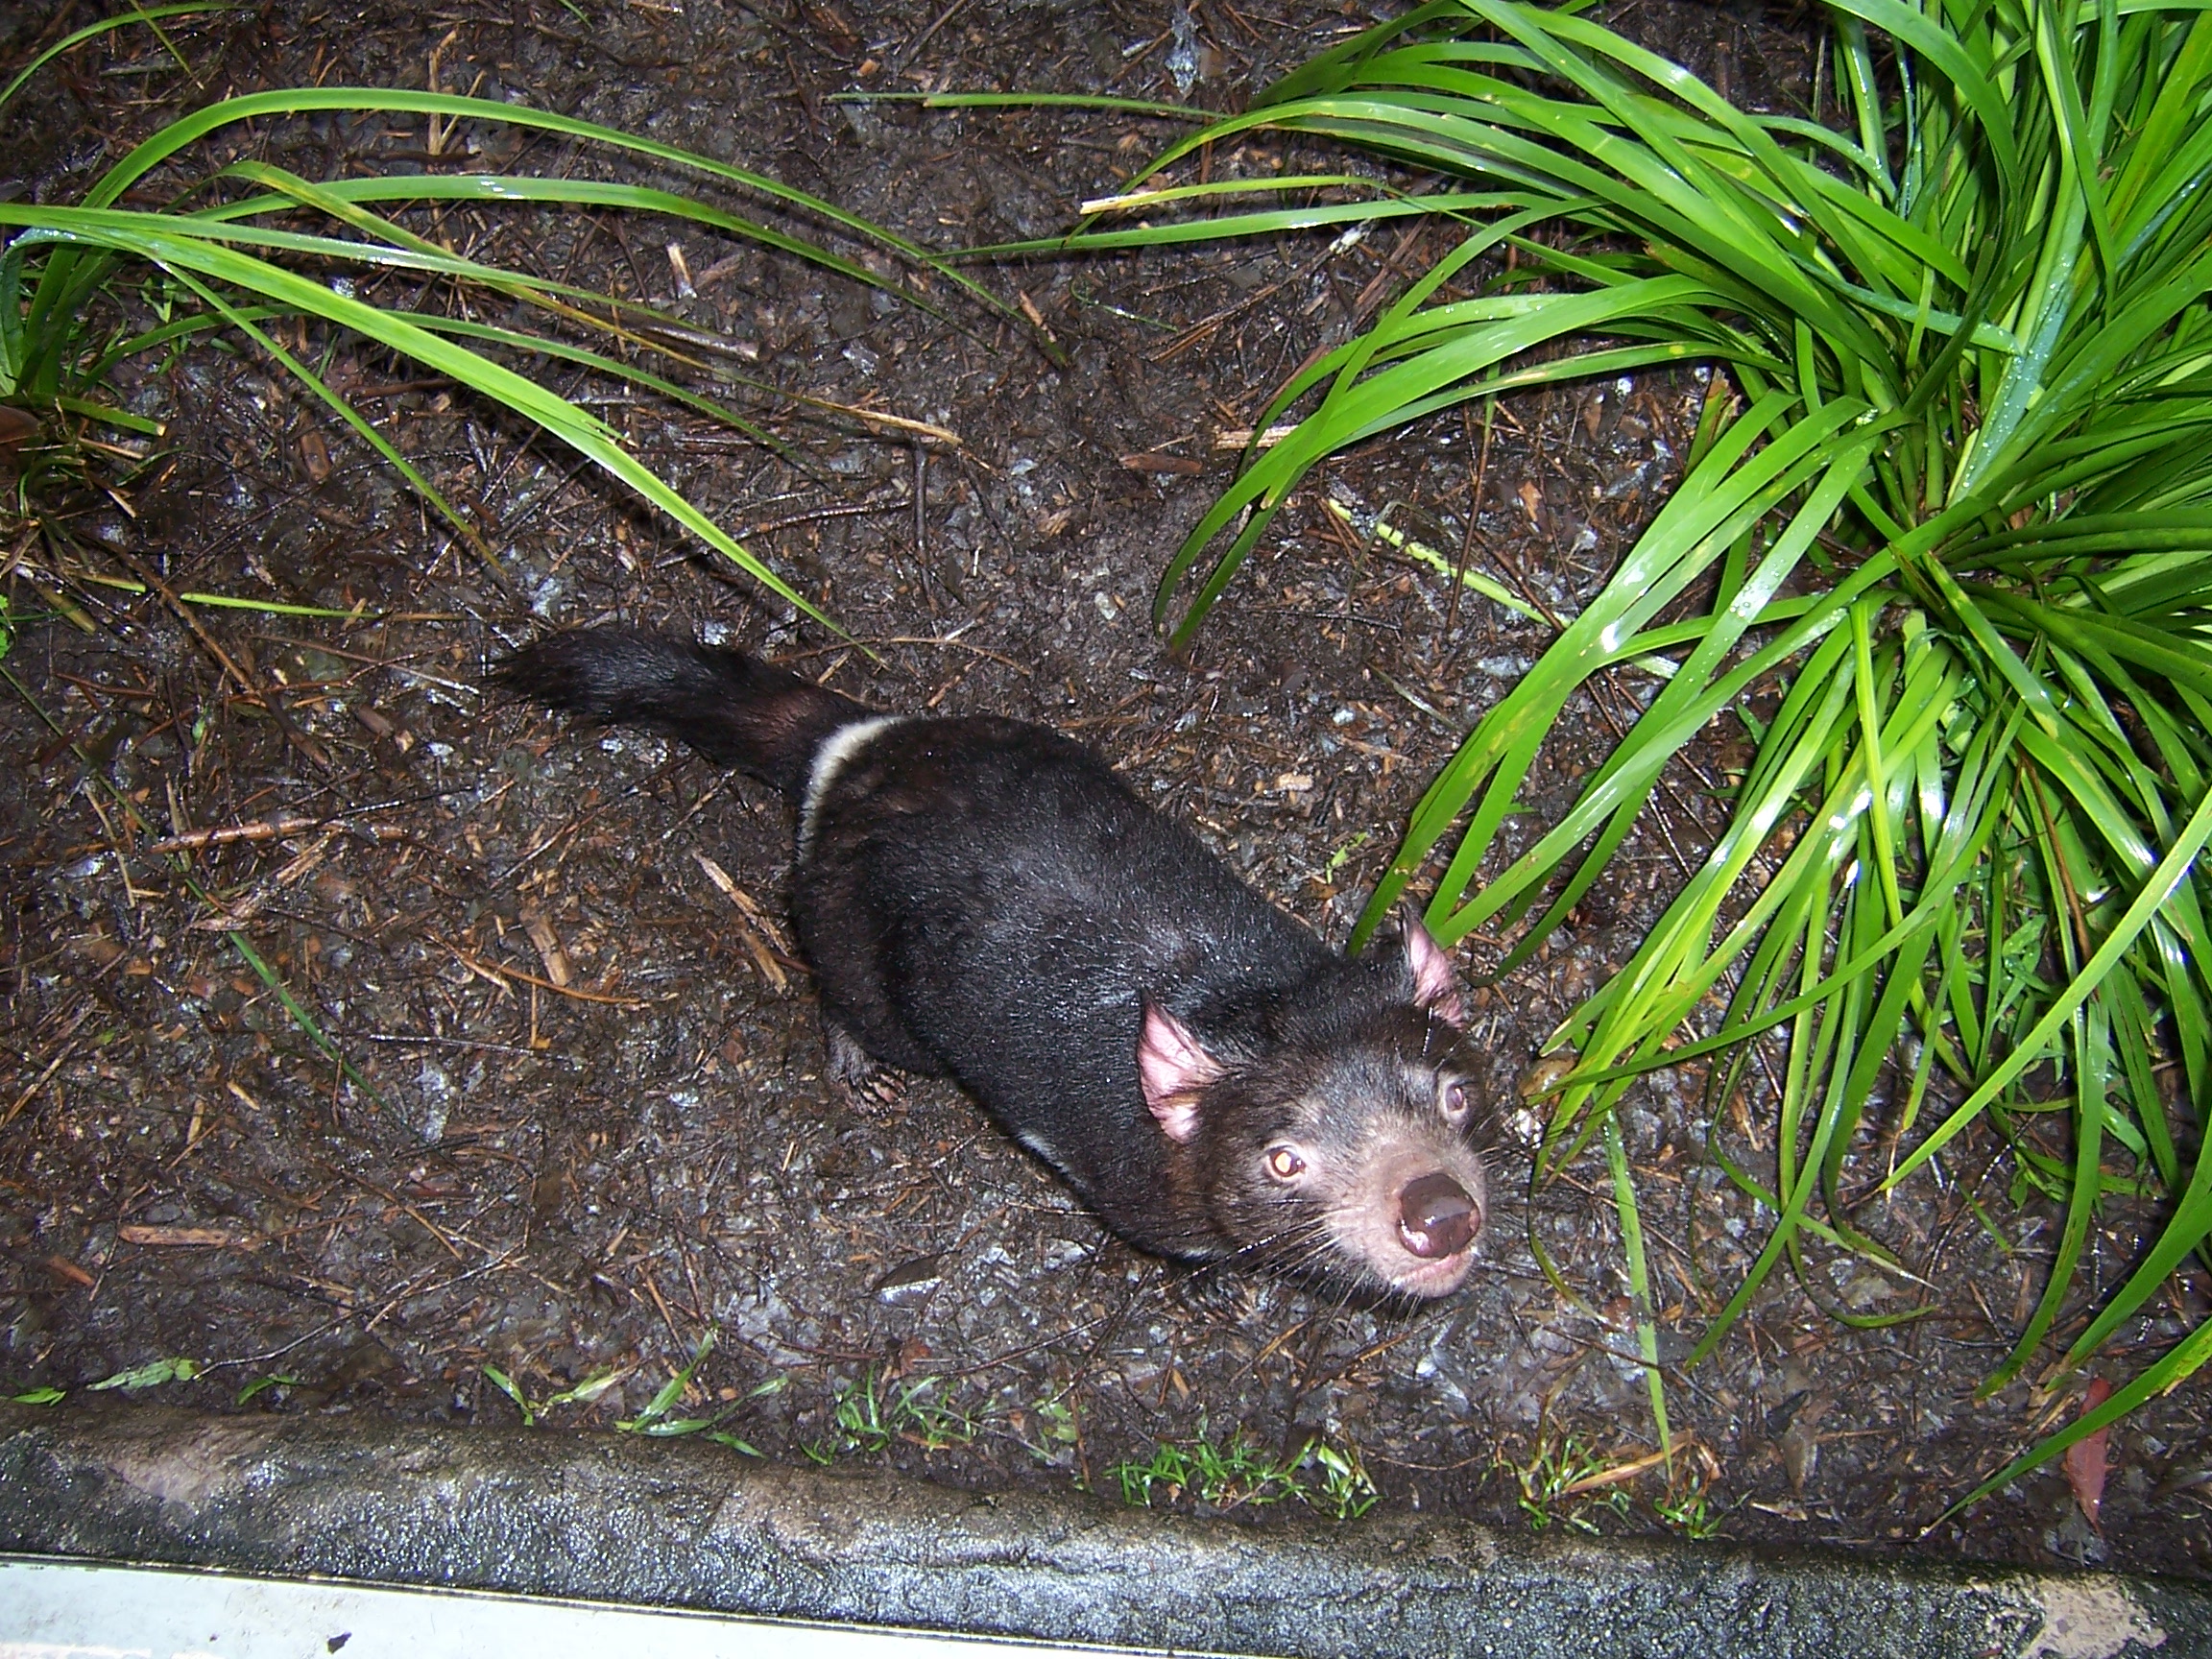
[1173, 1068]
[1435, 987]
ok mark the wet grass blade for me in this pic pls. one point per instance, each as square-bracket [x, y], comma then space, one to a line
[343, 198]
[190, 130]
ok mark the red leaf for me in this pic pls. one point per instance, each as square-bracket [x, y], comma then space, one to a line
[2085, 1464]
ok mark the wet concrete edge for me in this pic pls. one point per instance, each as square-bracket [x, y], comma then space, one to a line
[685, 1525]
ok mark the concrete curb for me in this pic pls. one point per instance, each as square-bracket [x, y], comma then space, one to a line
[621, 1519]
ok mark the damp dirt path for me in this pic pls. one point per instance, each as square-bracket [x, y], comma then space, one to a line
[588, 1122]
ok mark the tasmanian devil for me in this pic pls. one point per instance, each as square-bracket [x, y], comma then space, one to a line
[985, 899]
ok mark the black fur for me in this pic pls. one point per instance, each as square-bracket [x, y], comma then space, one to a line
[988, 900]
[985, 897]
[735, 709]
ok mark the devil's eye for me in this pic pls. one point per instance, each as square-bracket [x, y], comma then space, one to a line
[1452, 1101]
[1285, 1164]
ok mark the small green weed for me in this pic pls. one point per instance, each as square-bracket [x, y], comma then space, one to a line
[1563, 1479]
[1556, 1481]
[1056, 1430]
[250, 252]
[919, 1413]
[1345, 1492]
[868, 1417]
[1341, 855]
[262, 1384]
[151, 1375]
[584, 1392]
[654, 1420]
[856, 1422]
[1237, 1473]
[1690, 1511]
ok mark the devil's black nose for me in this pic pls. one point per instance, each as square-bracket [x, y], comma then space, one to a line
[1436, 1216]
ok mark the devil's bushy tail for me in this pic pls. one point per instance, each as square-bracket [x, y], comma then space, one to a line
[735, 709]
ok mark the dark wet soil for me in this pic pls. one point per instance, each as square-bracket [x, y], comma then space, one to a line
[583, 1120]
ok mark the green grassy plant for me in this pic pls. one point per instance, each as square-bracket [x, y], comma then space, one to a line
[249, 248]
[175, 1369]
[659, 1419]
[583, 1393]
[151, 1375]
[129, 1380]
[1233, 1475]
[1689, 1511]
[1555, 1482]
[856, 1422]
[268, 1381]
[871, 1414]
[1236, 1474]
[1949, 507]
[1343, 1490]
[1052, 1428]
